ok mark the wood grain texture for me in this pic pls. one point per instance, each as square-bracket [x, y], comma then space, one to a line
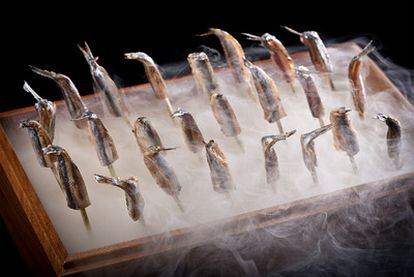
[43, 252]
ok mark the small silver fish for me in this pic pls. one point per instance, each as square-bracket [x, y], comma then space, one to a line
[317, 51]
[70, 93]
[308, 149]
[103, 142]
[193, 136]
[104, 86]
[311, 92]
[162, 172]
[39, 139]
[219, 169]
[46, 111]
[394, 134]
[271, 160]
[145, 134]
[234, 56]
[356, 80]
[203, 73]
[153, 73]
[344, 134]
[134, 200]
[69, 178]
[225, 115]
[279, 55]
[269, 96]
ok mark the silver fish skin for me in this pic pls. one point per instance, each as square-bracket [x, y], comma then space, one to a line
[102, 140]
[271, 160]
[104, 86]
[269, 96]
[161, 171]
[356, 79]
[317, 51]
[225, 115]
[46, 111]
[307, 142]
[145, 134]
[39, 139]
[70, 93]
[219, 169]
[394, 137]
[134, 201]
[343, 133]
[234, 56]
[311, 92]
[192, 134]
[69, 178]
[153, 73]
[203, 73]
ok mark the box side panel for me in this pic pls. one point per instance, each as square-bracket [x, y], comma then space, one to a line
[25, 217]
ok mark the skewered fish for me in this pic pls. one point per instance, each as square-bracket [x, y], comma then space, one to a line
[70, 93]
[225, 116]
[317, 51]
[162, 172]
[356, 80]
[269, 96]
[46, 111]
[154, 76]
[145, 134]
[69, 178]
[344, 135]
[134, 200]
[393, 137]
[279, 55]
[219, 169]
[308, 149]
[311, 92]
[203, 73]
[271, 161]
[234, 56]
[39, 139]
[104, 145]
[193, 136]
[104, 85]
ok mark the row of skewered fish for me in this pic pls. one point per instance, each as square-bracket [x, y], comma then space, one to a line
[149, 142]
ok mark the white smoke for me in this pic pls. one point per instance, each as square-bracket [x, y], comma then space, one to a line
[325, 241]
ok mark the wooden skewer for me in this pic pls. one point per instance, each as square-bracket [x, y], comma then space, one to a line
[353, 163]
[179, 204]
[315, 178]
[280, 127]
[112, 171]
[239, 143]
[321, 121]
[292, 87]
[85, 219]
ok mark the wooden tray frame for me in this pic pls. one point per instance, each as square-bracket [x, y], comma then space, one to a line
[44, 253]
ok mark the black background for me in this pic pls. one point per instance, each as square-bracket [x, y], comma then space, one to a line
[46, 36]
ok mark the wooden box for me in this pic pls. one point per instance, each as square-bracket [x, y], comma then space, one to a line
[44, 253]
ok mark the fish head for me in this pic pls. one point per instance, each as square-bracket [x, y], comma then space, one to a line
[53, 150]
[302, 71]
[87, 53]
[44, 73]
[140, 56]
[310, 35]
[381, 117]
[178, 113]
[29, 124]
[343, 110]
[197, 56]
